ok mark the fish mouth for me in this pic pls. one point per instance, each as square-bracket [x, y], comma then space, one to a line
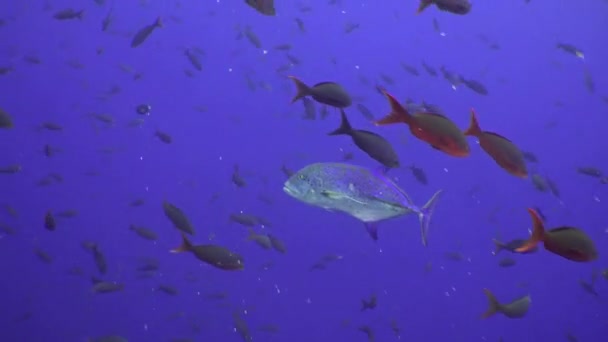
[289, 190]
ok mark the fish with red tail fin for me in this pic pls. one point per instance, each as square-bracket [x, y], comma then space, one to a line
[568, 242]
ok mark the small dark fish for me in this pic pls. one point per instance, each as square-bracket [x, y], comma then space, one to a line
[49, 221]
[241, 327]
[236, 177]
[589, 288]
[475, 86]
[410, 69]
[170, 290]
[143, 109]
[454, 79]
[419, 174]
[429, 69]
[277, 244]
[452, 6]
[502, 150]
[214, 255]
[107, 287]
[107, 20]
[98, 257]
[590, 171]
[365, 112]
[68, 14]
[571, 49]
[568, 242]
[506, 262]
[178, 218]
[589, 83]
[371, 143]
[367, 330]
[329, 93]
[515, 309]
[143, 34]
[144, 232]
[164, 137]
[511, 246]
[265, 7]
[6, 121]
[369, 304]
[193, 59]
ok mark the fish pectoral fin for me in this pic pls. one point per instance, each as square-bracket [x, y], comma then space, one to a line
[372, 230]
[338, 196]
[331, 194]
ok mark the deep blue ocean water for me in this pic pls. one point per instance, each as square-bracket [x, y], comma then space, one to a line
[237, 111]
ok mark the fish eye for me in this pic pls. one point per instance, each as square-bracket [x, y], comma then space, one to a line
[302, 177]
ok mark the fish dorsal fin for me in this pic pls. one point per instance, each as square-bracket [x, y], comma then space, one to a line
[368, 132]
[323, 83]
[381, 172]
[561, 229]
[497, 135]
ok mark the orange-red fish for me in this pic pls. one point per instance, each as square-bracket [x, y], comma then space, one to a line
[502, 150]
[437, 130]
[568, 242]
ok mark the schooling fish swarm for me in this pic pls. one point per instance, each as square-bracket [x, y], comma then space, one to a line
[367, 194]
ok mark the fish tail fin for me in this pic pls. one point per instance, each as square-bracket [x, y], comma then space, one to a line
[302, 90]
[252, 234]
[493, 304]
[345, 127]
[158, 22]
[538, 233]
[186, 245]
[398, 114]
[425, 214]
[498, 246]
[474, 129]
[365, 305]
[423, 5]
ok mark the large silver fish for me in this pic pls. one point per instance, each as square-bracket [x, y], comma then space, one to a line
[365, 194]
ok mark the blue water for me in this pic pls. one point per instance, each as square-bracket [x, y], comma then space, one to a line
[105, 167]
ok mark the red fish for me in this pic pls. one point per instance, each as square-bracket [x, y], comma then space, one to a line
[437, 130]
[568, 242]
[502, 150]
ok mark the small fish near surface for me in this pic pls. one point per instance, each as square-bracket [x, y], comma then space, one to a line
[433, 128]
[369, 196]
[145, 32]
[329, 93]
[502, 150]
[515, 309]
[265, 7]
[568, 242]
[371, 143]
[453, 6]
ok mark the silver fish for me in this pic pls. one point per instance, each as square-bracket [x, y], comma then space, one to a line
[369, 196]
